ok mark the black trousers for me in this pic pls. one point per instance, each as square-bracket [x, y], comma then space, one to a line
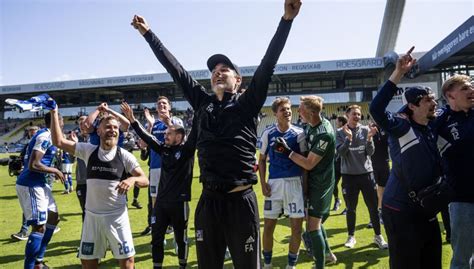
[136, 192]
[337, 177]
[228, 220]
[81, 192]
[175, 214]
[413, 240]
[351, 186]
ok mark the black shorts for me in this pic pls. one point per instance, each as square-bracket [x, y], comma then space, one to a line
[381, 174]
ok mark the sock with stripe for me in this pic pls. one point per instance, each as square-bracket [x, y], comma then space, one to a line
[44, 243]
[267, 256]
[32, 248]
[292, 259]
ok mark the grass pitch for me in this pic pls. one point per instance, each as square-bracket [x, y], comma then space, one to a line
[62, 250]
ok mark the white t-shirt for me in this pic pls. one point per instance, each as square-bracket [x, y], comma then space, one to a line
[102, 197]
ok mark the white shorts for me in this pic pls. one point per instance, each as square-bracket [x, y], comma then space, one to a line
[35, 203]
[155, 175]
[66, 168]
[101, 231]
[286, 195]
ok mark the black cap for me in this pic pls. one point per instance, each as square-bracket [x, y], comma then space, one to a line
[413, 95]
[221, 59]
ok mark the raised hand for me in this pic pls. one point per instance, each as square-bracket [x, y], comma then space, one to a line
[149, 117]
[127, 112]
[165, 117]
[103, 107]
[139, 23]
[292, 7]
[73, 137]
[403, 66]
[372, 131]
[406, 62]
[347, 131]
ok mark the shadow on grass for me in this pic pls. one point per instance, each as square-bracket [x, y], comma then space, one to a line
[11, 197]
[369, 255]
[62, 248]
[11, 258]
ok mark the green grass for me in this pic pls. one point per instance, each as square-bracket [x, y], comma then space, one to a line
[62, 250]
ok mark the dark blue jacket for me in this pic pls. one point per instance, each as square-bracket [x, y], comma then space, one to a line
[413, 150]
[455, 130]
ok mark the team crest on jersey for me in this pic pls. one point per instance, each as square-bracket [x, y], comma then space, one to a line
[439, 112]
[177, 155]
[45, 145]
[322, 145]
[311, 137]
[210, 107]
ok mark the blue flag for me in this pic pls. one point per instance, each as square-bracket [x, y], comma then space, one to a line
[35, 103]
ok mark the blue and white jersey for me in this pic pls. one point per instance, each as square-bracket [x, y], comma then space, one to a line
[280, 165]
[158, 130]
[66, 158]
[41, 142]
[94, 138]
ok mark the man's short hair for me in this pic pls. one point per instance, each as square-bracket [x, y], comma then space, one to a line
[178, 129]
[453, 81]
[33, 127]
[162, 97]
[312, 102]
[108, 118]
[82, 118]
[349, 108]
[342, 119]
[278, 102]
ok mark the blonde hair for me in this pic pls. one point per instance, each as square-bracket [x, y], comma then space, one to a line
[278, 102]
[453, 81]
[312, 102]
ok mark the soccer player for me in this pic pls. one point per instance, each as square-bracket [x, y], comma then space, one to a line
[106, 222]
[455, 128]
[158, 127]
[174, 192]
[414, 238]
[283, 190]
[23, 233]
[66, 167]
[355, 146]
[226, 143]
[320, 166]
[36, 198]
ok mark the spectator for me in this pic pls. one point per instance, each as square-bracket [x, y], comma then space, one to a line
[355, 146]
[414, 237]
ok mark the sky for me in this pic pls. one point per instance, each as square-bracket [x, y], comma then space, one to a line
[54, 40]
